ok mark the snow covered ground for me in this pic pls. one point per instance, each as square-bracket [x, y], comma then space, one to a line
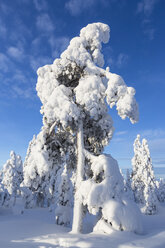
[36, 228]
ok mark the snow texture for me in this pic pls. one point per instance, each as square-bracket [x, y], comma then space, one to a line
[143, 180]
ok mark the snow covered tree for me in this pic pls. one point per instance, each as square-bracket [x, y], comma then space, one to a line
[13, 174]
[5, 198]
[44, 159]
[160, 191]
[143, 180]
[64, 203]
[127, 185]
[1, 176]
[104, 196]
[75, 92]
[137, 170]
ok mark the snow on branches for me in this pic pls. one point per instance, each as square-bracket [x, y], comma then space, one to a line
[75, 92]
[143, 180]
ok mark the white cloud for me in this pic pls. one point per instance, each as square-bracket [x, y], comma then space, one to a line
[146, 7]
[75, 7]
[3, 29]
[18, 91]
[149, 32]
[20, 77]
[58, 45]
[44, 23]
[121, 133]
[5, 8]
[153, 133]
[40, 5]
[36, 62]
[157, 145]
[4, 63]
[15, 52]
[122, 59]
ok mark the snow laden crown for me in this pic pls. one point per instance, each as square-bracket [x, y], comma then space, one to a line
[76, 83]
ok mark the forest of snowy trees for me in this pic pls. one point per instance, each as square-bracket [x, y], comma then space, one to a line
[65, 168]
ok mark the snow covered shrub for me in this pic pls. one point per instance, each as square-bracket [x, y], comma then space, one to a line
[103, 194]
[74, 92]
[13, 175]
[143, 180]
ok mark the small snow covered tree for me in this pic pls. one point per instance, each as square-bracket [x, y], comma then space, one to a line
[149, 180]
[45, 156]
[103, 194]
[137, 170]
[13, 174]
[143, 180]
[160, 191]
[127, 185]
[75, 91]
[64, 204]
[5, 198]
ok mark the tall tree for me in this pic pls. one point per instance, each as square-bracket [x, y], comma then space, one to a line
[75, 91]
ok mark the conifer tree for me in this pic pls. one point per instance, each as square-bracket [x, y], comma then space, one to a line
[74, 92]
[128, 188]
[13, 174]
[160, 191]
[64, 197]
[143, 180]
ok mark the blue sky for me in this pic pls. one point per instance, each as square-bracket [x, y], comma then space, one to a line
[34, 32]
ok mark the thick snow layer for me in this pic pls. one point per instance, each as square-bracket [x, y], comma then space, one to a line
[122, 96]
[80, 68]
[36, 229]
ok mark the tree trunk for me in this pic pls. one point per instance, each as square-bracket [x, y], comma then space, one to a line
[78, 206]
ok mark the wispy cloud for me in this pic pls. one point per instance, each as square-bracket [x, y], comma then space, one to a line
[58, 45]
[40, 5]
[146, 8]
[122, 59]
[20, 77]
[39, 61]
[44, 23]
[18, 91]
[5, 8]
[4, 62]
[15, 52]
[75, 7]
[153, 133]
[149, 32]
[3, 29]
[120, 133]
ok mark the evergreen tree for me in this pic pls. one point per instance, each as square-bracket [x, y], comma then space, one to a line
[143, 180]
[5, 198]
[160, 191]
[74, 92]
[13, 174]
[64, 197]
[44, 159]
[128, 187]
